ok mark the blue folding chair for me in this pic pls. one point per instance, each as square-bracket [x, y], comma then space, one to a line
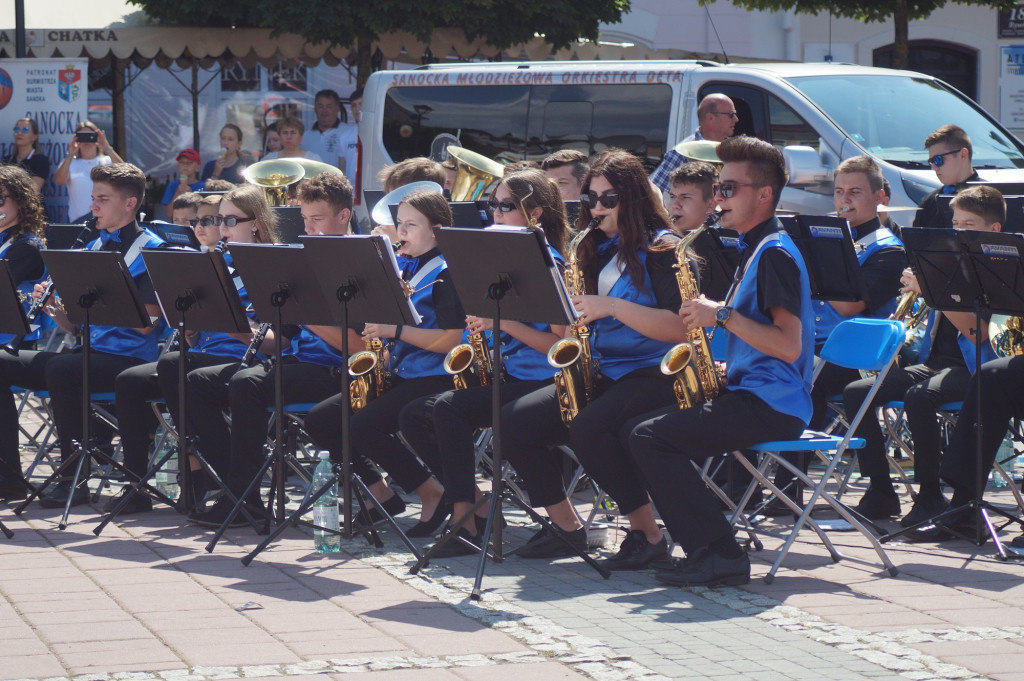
[861, 343]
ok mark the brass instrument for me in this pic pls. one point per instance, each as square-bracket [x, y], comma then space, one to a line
[696, 377]
[913, 319]
[274, 176]
[381, 213]
[575, 379]
[313, 168]
[474, 174]
[1006, 334]
[469, 363]
[371, 377]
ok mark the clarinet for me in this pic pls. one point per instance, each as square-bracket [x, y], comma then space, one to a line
[254, 345]
[37, 306]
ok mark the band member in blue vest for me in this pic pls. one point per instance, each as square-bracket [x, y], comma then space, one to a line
[22, 221]
[416, 366]
[944, 370]
[858, 191]
[441, 428]
[629, 307]
[243, 217]
[769, 321]
[117, 191]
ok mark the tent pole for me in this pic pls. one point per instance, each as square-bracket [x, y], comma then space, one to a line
[195, 105]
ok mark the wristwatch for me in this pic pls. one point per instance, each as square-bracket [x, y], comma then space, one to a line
[722, 316]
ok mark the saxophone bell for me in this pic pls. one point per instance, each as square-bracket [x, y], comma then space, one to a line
[469, 363]
[370, 377]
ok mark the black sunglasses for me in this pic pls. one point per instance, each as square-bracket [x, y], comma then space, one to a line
[937, 160]
[229, 221]
[609, 200]
[727, 189]
[205, 221]
[503, 206]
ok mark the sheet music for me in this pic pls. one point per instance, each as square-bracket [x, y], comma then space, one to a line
[385, 249]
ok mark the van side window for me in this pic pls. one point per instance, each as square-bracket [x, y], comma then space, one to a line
[788, 128]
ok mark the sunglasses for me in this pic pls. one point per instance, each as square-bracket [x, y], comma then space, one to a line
[937, 160]
[727, 189]
[609, 200]
[229, 221]
[25, 129]
[205, 221]
[503, 206]
[730, 114]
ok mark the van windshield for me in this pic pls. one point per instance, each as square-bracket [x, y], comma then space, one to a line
[891, 116]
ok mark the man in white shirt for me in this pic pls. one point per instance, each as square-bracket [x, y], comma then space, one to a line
[327, 134]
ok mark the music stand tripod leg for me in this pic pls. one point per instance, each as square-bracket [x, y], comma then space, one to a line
[239, 506]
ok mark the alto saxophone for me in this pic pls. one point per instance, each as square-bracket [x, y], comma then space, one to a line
[469, 363]
[575, 379]
[371, 378]
[697, 379]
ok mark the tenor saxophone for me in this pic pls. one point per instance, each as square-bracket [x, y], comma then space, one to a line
[575, 379]
[696, 377]
[370, 376]
[469, 363]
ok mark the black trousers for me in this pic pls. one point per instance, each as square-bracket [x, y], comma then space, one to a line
[249, 394]
[666, 443]
[1001, 384]
[533, 424]
[136, 388]
[61, 375]
[922, 389]
[440, 429]
[374, 429]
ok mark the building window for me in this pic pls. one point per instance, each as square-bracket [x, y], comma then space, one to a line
[955, 64]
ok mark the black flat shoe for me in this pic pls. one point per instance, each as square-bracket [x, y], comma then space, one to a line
[453, 547]
[636, 553]
[367, 517]
[426, 528]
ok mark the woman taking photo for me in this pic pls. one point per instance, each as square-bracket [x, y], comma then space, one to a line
[243, 217]
[21, 228]
[441, 428]
[87, 149]
[416, 367]
[231, 162]
[630, 309]
[26, 154]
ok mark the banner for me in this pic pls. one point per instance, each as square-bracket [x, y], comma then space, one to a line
[54, 93]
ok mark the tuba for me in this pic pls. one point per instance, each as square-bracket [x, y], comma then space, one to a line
[370, 376]
[696, 377]
[575, 379]
[1006, 334]
[474, 174]
[469, 363]
[274, 176]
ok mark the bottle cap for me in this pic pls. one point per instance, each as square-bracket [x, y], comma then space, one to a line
[324, 454]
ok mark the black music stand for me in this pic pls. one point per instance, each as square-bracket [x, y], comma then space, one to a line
[506, 273]
[282, 288]
[827, 245]
[13, 321]
[104, 292]
[200, 289]
[980, 272]
[369, 290]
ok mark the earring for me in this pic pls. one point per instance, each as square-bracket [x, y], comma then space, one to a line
[254, 232]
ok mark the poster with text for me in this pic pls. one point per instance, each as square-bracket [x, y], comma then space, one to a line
[53, 93]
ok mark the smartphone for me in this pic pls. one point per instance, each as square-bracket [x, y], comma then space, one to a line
[87, 136]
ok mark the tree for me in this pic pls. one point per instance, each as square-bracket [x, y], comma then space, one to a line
[345, 23]
[899, 11]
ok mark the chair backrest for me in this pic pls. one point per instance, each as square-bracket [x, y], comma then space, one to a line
[864, 343]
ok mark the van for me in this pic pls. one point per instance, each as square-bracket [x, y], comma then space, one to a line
[817, 114]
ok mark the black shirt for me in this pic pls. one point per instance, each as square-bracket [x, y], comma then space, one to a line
[882, 271]
[23, 258]
[447, 305]
[659, 267]
[778, 275]
[36, 165]
[932, 213]
[945, 352]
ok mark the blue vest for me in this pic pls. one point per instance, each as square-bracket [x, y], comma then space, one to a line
[410, 361]
[519, 359]
[312, 349]
[220, 343]
[115, 340]
[826, 317]
[783, 386]
[25, 287]
[617, 348]
[966, 345]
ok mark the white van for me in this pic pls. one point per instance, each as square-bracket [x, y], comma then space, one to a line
[818, 114]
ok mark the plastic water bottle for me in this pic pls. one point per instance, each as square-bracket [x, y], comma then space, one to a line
[1005, 452]
[164, 480]
[325, 510]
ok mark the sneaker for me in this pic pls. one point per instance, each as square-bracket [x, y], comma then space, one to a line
[926, 506]
[547, 544]
[877, 505]
[453, 547]
[706, 568]
[57, 497]
[637, 553]
[220, 511]
[139, 503]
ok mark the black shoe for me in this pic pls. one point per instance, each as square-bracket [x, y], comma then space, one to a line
[57, 497]
[220, 511]
[13, 490]
[546, 544]
[139, 503]
[453, 547]
[481, 523]
[949, 528]
[924, 508]
[877, 505]
[1018, 542]
[426, 528]
[369, 517]
[637, 553]
[706, 568]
